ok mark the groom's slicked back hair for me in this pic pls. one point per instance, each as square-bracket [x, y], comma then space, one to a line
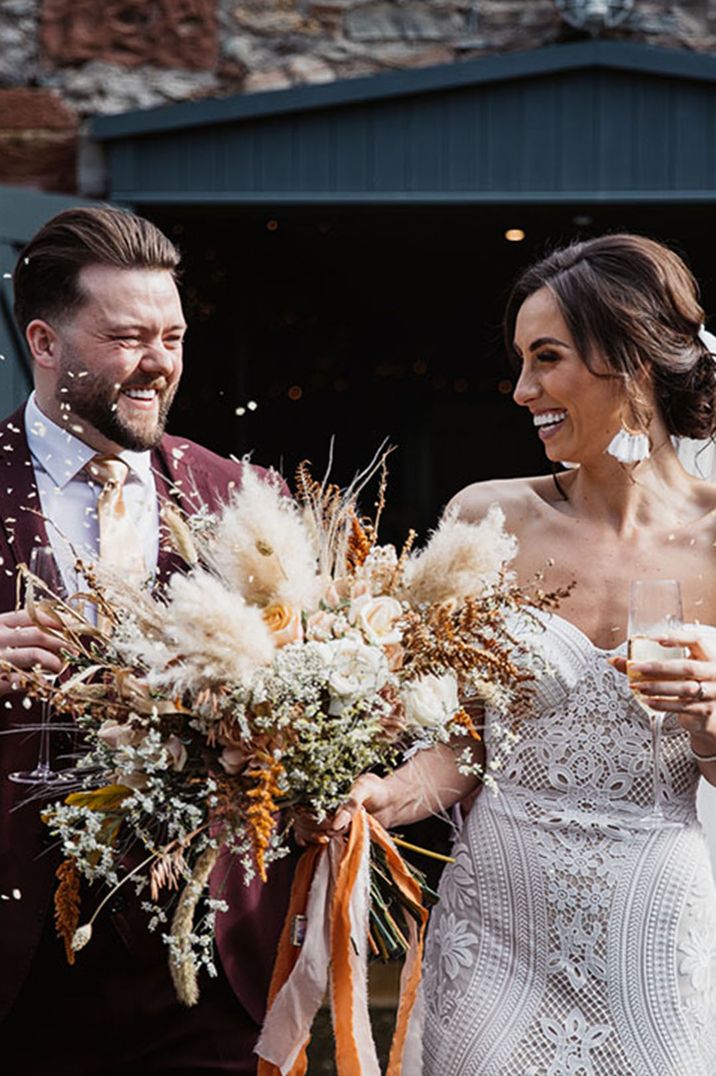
[634, 304]
[46, 278]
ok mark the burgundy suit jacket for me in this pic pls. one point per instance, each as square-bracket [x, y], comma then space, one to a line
[247, 935]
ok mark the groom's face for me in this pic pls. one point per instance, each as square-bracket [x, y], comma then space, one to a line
[117, 359]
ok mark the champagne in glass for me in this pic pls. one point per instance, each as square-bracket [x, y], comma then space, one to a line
[655, 611]
[43, 565]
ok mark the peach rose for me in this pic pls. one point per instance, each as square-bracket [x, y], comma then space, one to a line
[395, 654]
[377, 618]
[115, 735]
[177, 752]
[319, 626]
[233, 760]
[284, 623]
[331, 597]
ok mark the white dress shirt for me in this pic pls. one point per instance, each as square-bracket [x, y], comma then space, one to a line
[68, 494]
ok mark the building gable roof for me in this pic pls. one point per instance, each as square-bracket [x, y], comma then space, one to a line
[591, 120]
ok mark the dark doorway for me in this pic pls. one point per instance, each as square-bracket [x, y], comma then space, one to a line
[367, 324]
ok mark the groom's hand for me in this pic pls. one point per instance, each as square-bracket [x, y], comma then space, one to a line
[26, 647]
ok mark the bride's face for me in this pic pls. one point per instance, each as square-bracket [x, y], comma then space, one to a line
[575, 412]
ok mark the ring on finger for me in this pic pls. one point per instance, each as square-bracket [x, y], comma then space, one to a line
[699, 696]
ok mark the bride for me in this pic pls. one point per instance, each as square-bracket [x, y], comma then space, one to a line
[571, 936]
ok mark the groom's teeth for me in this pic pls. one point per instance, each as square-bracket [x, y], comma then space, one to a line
[141, 394]
[549, 418]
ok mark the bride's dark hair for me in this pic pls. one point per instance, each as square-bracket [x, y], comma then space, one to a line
[635, 302]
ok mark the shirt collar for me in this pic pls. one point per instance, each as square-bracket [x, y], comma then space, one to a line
[63, 455]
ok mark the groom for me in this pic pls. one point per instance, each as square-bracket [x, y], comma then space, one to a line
[97, 301]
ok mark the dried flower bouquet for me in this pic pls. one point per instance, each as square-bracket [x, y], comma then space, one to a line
[294, 654]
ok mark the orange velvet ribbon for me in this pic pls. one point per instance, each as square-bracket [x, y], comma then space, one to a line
[345, 992]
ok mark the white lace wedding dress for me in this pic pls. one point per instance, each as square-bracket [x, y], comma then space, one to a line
[570, 937]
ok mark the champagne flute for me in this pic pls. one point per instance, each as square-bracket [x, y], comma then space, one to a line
[655, 610]
[43, 565]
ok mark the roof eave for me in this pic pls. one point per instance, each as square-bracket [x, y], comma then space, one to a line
[493, 68]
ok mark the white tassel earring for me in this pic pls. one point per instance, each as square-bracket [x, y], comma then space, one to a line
[629, 447]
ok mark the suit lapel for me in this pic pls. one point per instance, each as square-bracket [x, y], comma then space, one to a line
[21, 518]
[169, 482]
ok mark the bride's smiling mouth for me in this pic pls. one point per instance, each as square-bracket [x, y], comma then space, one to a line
[548, 422]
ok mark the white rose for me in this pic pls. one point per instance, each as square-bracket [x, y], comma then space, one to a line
[431, 701]
[377, 618]
[353, 668]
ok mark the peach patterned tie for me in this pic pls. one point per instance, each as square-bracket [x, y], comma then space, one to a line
[120, 548]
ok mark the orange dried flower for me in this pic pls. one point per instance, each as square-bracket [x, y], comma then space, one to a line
[359, 544]
[67, 905]
[463, 719]
[263, 806]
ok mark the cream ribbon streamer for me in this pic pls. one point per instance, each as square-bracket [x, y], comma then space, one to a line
[288, 1023]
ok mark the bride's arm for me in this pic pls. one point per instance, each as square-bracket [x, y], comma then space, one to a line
[430, 782]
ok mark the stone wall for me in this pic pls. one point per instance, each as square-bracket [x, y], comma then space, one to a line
[74, 58]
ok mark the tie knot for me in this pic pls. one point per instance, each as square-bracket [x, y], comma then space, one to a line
[109, 470]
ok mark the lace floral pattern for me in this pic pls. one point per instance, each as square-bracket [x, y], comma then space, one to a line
[571, 937]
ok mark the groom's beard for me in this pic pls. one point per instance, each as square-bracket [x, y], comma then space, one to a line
[97, 401]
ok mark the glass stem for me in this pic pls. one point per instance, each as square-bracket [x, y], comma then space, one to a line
[43, 762]
[657, 721]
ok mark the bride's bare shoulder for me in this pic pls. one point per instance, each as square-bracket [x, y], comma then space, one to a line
[519, 498]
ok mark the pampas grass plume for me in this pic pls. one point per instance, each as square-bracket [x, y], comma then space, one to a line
[263, 549]
[211, 635]
[461, 560]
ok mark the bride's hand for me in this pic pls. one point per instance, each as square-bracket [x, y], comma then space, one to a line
[369, 791]
[685, 686]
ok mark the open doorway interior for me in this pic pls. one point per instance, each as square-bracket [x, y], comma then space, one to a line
[370, 324]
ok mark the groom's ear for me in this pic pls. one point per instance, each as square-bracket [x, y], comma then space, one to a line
[43, 344]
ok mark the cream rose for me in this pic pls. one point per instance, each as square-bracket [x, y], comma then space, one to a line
[354, 668]
[431, 701]
[284, 623]
[377, 618]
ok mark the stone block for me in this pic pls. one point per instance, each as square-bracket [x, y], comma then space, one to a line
[105, 87]
[38, 140]
[275, 78]
[24, 109]
[331, 7]
[409, 22]
[399, 55]
[310, 69]
[167, 33]
[275, 23]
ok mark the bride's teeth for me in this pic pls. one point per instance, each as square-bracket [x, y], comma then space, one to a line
[549, 418]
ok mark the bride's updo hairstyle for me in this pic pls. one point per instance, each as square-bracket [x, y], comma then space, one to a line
[634, 302]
